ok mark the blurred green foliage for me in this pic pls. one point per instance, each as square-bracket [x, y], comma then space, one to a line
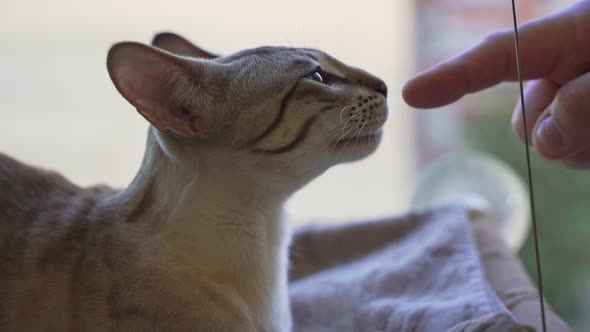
[562, 197]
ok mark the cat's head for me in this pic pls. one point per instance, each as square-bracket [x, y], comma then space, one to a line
[286, 111]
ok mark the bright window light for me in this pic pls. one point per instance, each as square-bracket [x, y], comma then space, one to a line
[60, 110]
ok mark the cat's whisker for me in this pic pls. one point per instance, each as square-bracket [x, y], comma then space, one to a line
[346, 133]
[348, 140]
[355, 137]
[343, 109]
[326, 153]
[347, 121]
[330, 131]
[358, 134]
[332, 127]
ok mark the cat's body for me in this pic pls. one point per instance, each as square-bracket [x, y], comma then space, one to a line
[94, 259]
[196, 242]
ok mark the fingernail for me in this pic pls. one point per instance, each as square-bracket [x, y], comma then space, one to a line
[547, 134]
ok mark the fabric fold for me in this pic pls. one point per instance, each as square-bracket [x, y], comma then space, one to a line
[421, 273]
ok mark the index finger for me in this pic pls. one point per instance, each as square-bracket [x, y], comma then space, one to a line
[553, 47]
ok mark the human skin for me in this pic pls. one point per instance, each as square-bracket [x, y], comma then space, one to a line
[555, 58]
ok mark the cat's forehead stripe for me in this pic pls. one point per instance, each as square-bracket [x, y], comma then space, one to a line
[270, 50]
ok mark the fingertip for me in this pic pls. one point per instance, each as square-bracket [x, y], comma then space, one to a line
[430, 89]
[408, 93]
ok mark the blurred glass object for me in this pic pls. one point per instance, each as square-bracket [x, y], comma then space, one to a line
[482, 183]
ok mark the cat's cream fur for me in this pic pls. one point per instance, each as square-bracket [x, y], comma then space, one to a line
[196, 242]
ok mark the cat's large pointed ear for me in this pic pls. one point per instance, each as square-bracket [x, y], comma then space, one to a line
[174, 94]
[176, 44]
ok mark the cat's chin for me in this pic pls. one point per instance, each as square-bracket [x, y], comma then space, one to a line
[361, 143]
[357, 148]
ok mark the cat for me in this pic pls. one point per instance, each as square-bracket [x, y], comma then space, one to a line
[197, 241]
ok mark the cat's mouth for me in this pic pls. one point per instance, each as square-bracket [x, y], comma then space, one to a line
[361, 140]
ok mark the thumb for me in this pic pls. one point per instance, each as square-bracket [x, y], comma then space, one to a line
[564, 127]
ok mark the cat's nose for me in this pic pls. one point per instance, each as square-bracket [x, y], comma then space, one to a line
[381, 88]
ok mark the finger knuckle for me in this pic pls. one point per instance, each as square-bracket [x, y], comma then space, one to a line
[496, 37]
[570, 109]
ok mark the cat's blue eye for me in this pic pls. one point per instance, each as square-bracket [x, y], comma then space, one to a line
[316, 76]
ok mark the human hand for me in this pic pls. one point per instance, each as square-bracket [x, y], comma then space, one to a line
[555, 57]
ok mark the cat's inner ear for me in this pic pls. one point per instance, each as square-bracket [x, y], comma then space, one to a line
[174, 94]
[176, 44]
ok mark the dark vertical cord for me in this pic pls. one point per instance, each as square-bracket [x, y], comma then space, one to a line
[530, 175]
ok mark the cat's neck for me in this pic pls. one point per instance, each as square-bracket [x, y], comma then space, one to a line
[200, 186]
[216, 216]
[215, 220]
[211, 206]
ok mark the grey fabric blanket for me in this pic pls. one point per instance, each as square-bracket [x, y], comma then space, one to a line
[420, 272]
